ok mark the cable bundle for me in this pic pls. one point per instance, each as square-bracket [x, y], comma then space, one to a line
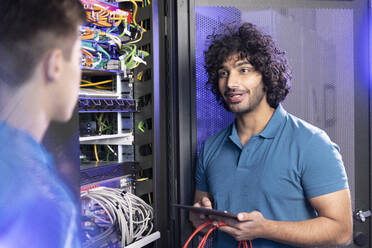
[215, 225]
[102, 37]
[115, 208]
[132, 57]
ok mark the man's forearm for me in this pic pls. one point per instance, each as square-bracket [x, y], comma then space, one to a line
[314, 232]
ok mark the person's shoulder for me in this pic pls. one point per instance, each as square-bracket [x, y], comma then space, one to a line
[304, 133]
[217, 138]
[213, 143]
[301, 127]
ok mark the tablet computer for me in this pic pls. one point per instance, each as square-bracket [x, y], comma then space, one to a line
[207, 211]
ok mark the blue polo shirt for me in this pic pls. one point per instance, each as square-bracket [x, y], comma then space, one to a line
[274, 173]
[36, 208]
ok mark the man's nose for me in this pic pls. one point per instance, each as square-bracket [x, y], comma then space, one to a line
[232, 80]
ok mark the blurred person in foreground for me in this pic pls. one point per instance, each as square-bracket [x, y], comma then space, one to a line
[39, 82]
[283, 177]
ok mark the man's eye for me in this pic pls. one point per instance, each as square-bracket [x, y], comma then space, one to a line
[222, 74]
[246, 70]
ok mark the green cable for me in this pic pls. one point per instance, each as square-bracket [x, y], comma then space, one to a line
[114, 28]
[125, 27]
[130, 49]
[108, 57]
[126, 24]
[107, 153]
[145, 53]
[141, 126]
[100, 49]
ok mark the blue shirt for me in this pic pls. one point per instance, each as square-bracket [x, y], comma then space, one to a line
[36, 209]
[274, 173]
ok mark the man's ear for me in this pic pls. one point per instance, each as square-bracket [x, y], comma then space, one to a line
[53, 65]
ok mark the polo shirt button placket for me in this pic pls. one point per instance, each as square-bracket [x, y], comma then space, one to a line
[244, 158]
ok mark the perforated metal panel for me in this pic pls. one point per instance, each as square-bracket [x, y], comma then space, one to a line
[211, 117]
[327, 47]
[321, 59]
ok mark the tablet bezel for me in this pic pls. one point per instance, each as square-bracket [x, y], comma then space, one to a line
[207, 211]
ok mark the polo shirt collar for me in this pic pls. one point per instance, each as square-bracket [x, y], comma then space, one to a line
[275, 123]
[269, 132]
[234, 137]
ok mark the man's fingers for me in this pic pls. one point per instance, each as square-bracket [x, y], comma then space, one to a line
[244, 216]
[225, 220]
[228, 229]
[205, 202]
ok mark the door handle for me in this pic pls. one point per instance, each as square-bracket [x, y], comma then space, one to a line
[360, 239]
[362, 215]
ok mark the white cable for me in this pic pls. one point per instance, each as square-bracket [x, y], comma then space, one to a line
[131, 214]
[99, 60]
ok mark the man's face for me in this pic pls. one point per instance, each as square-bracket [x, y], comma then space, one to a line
[71, 76]
[240, 85]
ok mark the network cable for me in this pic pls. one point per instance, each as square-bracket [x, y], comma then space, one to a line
[129, 213]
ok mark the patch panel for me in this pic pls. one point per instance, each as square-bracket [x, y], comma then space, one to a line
[109, 175]
[106, 105]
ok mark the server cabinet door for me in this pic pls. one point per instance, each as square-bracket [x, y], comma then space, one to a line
[327, 44]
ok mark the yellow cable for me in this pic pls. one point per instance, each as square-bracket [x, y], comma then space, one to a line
[135, 12]
[114, 38]
[142, 179]
[88, 83]
[99, 123]
[150, 198]
[135, 41]
[103, 87]
[139, 75]
[135, 9]
[95, 152]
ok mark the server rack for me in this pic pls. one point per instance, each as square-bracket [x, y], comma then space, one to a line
[136, 108]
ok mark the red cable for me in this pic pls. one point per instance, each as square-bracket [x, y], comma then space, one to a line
[244, 244]
[205, 237]
[196, 231]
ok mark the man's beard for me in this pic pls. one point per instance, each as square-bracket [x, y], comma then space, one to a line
[254, 101]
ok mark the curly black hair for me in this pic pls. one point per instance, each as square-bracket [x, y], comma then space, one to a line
[261, 52]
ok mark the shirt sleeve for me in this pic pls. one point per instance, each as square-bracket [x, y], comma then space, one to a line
[323, 171]
[200, 174]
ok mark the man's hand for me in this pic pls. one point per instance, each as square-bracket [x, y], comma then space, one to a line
[332, 227]
[196, 218]
[202, 200]
[248, 227]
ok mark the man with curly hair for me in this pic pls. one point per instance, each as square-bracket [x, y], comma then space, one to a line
[283, 177]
